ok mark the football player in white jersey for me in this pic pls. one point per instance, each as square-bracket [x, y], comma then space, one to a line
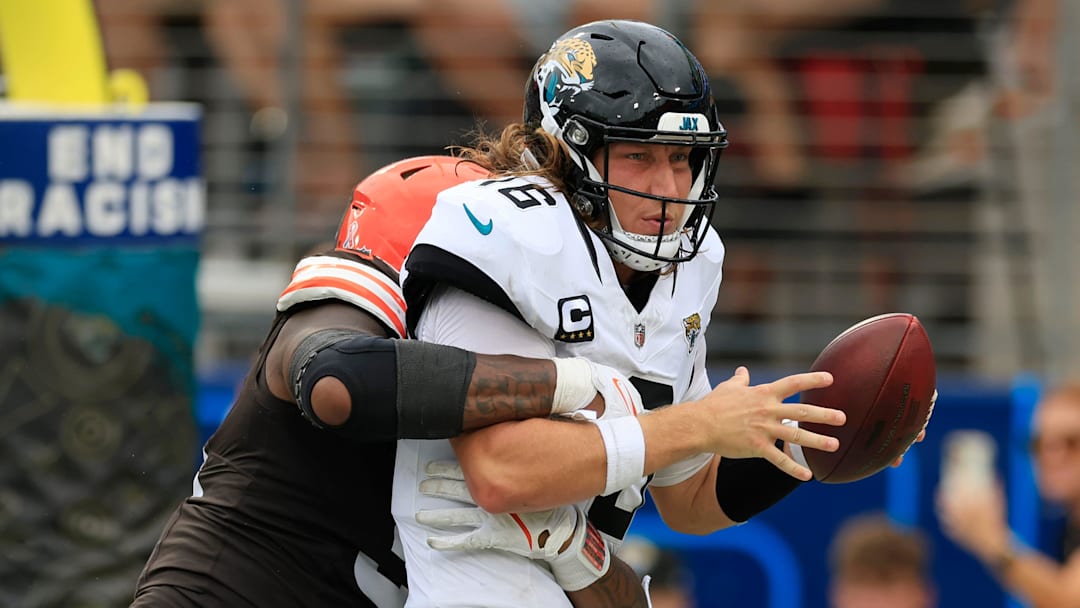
[292, 504]
[590, 239]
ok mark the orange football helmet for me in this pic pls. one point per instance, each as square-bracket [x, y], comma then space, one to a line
[390, 206]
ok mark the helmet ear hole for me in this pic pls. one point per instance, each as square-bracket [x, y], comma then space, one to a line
[576, 134]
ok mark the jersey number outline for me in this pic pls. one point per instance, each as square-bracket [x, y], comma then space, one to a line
[524, 196]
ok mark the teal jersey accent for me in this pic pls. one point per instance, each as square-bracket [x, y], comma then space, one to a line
[482, 228]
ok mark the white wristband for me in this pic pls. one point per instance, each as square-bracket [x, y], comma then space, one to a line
[573, 386]
[796, 449]
[625, 446]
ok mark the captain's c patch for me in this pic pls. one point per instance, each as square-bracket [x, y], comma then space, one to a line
[575, 320]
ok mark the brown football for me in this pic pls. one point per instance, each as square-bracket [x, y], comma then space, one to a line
[884, 378]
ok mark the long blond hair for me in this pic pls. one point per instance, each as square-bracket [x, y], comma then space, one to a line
[503, 153]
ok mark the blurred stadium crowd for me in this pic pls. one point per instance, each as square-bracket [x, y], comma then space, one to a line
[886, 154]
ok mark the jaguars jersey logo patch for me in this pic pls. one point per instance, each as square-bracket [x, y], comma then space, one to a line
[692, 329]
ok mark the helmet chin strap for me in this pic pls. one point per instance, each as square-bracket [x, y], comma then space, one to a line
[669, 244]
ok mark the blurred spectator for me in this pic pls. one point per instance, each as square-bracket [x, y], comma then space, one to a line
[327, 53]
[977, 520]
[251, 39]
[672, 585]
[783, 55]
[876, 564]
[510, 35]
[830, 111]
[1029, 52]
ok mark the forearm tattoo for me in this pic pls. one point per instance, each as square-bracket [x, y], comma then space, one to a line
[620, 587]
[506, 387]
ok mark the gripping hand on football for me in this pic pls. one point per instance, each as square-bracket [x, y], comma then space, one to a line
[563, 537]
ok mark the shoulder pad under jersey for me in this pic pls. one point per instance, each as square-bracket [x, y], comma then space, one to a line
[325, 277]
[486, 237]
[496, 214]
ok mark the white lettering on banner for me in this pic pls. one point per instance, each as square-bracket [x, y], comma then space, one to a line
[16, 208]
[67, 153]
[167, 203]
[163, 208]
[105, 213]
[114, 154]
[139, 209]
[155, 152]
[104, 180]
[166, 207]
[60, 212]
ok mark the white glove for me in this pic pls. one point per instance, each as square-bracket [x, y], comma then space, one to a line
[562, 537]
[620, 396]
[538, 536]
[446, 480]
[578, 382]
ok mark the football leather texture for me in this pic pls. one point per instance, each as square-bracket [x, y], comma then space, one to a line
[884, 378]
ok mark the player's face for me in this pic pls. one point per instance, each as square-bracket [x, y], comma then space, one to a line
[1056, 449]
[657, 169]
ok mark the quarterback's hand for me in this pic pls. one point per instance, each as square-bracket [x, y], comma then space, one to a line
[739, 420]
[562, 537]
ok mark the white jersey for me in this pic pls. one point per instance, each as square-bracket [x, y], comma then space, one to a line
[517, 244]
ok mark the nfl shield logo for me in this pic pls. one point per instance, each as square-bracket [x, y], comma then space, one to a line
[639, 335]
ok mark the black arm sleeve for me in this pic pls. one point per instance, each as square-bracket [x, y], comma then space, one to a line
[748, 486]
[399, 389]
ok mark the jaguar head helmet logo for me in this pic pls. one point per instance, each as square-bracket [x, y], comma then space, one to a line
[568, 65]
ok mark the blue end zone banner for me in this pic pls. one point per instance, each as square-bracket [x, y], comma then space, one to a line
[100, 216]
[70, 178]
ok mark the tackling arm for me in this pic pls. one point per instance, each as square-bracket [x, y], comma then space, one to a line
[541, 463]
[620, 587]
[357, 363]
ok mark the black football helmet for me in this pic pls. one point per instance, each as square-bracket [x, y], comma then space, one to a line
[619, 81]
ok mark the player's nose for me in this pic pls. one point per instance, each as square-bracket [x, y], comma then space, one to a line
[662, 182]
